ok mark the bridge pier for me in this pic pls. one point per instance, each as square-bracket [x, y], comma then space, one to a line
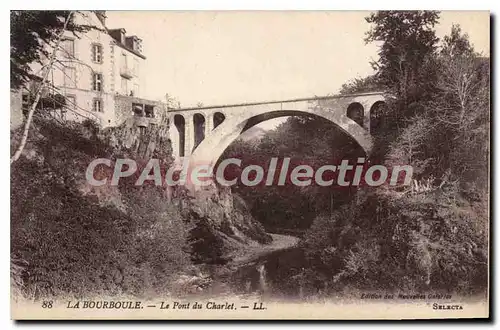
[209, 124]
[189, 137]
[366, 114]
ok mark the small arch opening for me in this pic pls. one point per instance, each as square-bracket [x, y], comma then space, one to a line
[180, 124]
[355, 111]
[199, 129]
[377, 114]
[218, 119]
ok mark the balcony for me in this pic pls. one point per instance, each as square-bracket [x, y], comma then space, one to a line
[126, 73]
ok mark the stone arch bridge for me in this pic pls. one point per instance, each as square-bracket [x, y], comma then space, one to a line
[203, 133]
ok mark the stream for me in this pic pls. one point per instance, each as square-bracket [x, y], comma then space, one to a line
[273, 273]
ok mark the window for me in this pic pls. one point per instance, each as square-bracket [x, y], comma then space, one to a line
[97, 53]
[68, 47]
[149, 111]
[97, 82]
[69, 77]
[138, 109]
[136, 89]
[97, 105]
[136, 67]
[124, 86]
[124, 61]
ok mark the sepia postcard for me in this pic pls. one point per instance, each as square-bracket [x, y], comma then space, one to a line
[256, 165]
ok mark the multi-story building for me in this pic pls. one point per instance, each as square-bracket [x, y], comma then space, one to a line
[99, 73]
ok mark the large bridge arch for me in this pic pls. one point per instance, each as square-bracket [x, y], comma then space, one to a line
[225, 123]
[213, 146]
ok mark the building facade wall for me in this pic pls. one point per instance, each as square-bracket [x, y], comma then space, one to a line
[124, 106]
[133, 67]
[16, 114]
[78, 87]
[72, 74]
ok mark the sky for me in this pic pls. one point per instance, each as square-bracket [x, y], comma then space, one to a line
[235, 57]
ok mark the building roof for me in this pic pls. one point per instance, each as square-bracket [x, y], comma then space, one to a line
[118, 43]
[121, 29]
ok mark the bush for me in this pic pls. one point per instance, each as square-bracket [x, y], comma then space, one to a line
[64, 243]
[419, 242]
[64, 240]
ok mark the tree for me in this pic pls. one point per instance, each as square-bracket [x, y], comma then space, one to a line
[405, 67]
[461, 108]
[433, 234]
[33, 35]
[35, 38]
[24, 137]
[454, 121]
[408, 39]
[172, 102]
[456, 43]
[362, 85]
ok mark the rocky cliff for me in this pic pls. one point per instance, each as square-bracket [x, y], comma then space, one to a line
[223, 226]
[222, 223]
[141, 138]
